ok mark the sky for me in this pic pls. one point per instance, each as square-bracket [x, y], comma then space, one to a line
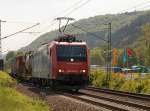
[20, 14]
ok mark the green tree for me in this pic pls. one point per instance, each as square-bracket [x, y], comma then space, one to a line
[143, 45]
[10, 55]
[8, 60]
[146, 36]
[96, 57]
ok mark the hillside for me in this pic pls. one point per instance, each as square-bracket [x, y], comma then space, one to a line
[125, 29]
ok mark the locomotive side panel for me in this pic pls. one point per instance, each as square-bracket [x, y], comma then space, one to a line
[41, 64]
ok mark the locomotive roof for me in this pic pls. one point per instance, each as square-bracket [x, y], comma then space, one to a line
[70, 43]
[60, 43]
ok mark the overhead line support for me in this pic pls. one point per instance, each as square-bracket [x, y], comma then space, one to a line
[109, 55]
[1, 38]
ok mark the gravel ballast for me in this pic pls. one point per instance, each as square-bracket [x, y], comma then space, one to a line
[58, 102]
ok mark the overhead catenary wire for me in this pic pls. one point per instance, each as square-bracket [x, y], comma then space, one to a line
[29, 22]
[79, 5]
[76, 4]
[76, 8]
[138, 5]
[71, 9]
[46, 29]
[20, 31]
[85, 2]
[89, 32]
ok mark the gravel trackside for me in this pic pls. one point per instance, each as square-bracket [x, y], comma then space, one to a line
[58, 102]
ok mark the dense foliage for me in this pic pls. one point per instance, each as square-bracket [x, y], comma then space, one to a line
[96, 57]
[119, 82]
[143, 45]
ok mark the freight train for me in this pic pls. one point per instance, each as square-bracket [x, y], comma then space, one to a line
[62, 62]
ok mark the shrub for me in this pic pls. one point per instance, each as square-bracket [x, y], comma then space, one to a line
[130, 86]
[146, 88]
[116, 81]
[6, 80]
[97, 78]
[11, 100]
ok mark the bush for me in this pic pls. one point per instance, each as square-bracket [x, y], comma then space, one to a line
[6, 80]
[119, 82]
[146, 85]
[11, 100]
[97, 78]
[130, 86]
[116, 81]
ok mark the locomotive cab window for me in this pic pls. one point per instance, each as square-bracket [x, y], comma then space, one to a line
[71, 53]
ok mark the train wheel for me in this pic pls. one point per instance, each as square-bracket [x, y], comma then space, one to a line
[52, 84]
[75, 90]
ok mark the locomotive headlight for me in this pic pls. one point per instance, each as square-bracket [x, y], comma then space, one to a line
[83, 71]
[59, 70]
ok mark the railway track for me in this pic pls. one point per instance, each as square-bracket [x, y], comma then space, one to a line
[89, 96]
[120, 93]
[93, 101]
[92, 96]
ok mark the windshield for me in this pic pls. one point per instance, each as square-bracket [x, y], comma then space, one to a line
[71, 53]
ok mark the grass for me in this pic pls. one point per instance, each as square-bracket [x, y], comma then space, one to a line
[6, 80]
[12, 100]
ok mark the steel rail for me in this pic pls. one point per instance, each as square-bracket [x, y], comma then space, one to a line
[120, 93]
[129, 104]
[95, 103]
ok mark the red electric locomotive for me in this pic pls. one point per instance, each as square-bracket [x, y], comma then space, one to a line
[64, 61]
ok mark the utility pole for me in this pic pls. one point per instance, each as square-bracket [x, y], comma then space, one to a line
[0, 39]
[108, 56]
[1, 58]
